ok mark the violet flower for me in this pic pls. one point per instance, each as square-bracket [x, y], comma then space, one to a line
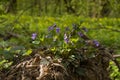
[66, 39]
[34, 36]
[80, 34]
[50, 28]
[96, 43]
[57, 30]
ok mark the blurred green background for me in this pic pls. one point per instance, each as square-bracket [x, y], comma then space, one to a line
[86, 8]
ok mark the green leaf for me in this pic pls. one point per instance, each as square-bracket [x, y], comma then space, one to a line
[36, 42]
[28, 52]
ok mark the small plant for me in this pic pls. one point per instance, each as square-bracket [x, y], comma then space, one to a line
[115, 74]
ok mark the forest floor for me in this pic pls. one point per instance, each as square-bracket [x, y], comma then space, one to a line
[39, 67]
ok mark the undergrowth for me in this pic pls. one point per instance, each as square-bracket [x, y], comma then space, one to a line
[19, 36]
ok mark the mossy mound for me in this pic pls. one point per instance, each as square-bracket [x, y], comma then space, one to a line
[37, 67]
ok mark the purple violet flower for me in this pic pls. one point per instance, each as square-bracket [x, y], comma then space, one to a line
[57, 30]
[66, 38]
[50, 28]
[34, 36]
[96, 43]
[80, 34]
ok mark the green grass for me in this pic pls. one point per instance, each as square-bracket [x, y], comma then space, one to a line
[26, 25]
[106, 36]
